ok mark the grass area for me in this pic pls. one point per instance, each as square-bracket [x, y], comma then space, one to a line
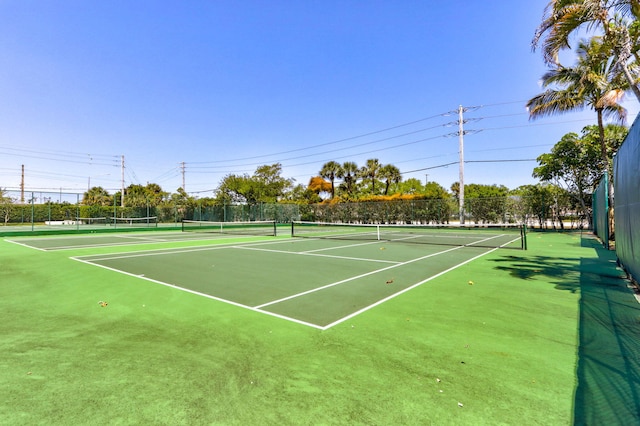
[505, 349]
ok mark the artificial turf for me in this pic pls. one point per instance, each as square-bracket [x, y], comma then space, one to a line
[515, 337]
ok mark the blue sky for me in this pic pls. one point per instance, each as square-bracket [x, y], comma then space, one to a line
[218, 87]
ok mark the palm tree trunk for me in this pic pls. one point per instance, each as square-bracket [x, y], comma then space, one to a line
[623, 54]
[632, 85]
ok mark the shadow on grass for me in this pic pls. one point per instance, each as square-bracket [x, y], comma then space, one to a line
[608, 365]
[560, 271]
[608, 370]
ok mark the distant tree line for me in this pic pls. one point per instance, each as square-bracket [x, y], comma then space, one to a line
[568, 174]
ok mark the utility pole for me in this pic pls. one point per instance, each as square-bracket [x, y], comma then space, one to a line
[22, 186]
[122, 184]
[182, 167]
[461, 143]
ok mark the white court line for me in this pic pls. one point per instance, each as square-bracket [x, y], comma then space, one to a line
[372, 272]
[258, 308]
[154, 252]
[24, 245]
[307, 253]
[219, 299]
[381, 301]
[341, 247]
[163, 251]
[357, 277]
[145, 239]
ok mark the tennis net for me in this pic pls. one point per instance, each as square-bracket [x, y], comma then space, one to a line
[480, 235]
[91, 220]
[139, 222]
[252, 228]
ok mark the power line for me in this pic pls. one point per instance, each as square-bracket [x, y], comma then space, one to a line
[329, 143]
[58, 159]
[327, 152]
[468, 161]
[81, 158]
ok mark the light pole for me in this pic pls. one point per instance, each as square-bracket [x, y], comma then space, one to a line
[89, 180]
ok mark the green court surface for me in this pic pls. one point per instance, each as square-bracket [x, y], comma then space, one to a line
[196, 329]
[314, 282]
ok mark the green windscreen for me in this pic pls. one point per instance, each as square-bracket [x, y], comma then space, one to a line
[626, 174]
[258, 228]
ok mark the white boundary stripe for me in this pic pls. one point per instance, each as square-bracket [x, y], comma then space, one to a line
[379, 302]
[128, 243]
[259, 307]
[341, 247]
[161, 251]
[24, 245]
[306, 253]
[200, 294]
[293, 296]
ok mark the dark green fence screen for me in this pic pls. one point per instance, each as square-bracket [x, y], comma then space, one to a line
[626, 172]
[627, 201]
[600, 202]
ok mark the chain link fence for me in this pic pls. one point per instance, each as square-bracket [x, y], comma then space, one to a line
[37, 211]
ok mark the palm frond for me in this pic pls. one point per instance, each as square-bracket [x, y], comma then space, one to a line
[553, 102]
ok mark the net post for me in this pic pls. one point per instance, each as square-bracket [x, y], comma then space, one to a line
[523, 234]
[292, 228]
[378, 231]
[275, 229]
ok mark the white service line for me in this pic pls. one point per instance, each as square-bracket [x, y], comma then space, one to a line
[24, 245]
[219, 299]
[357, 277]
[347, 246]
[307, 253]
[379, 302]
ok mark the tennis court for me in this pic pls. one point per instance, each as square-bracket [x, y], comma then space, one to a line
[442, 331]
[89, 241]
[318, 281]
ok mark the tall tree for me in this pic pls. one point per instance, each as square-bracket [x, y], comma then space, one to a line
[135, 196]
[348, 173]
[411, 186]
[370, 171]
[155, 194]
[273, 184]
[485, 203]
[591, 82]
[6, 206]
[614, 18]
[317, 184]
[542, 202]
[390, 174]
[331, 170]
[265, 186]
[97, 196]
[574, 163]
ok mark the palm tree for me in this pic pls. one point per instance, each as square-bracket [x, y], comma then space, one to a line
[370, 171]
[331, 170]
[390, 173]
[155, 194]
[563, 18]
[591, 82]
[96, 196]
[348, 173]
